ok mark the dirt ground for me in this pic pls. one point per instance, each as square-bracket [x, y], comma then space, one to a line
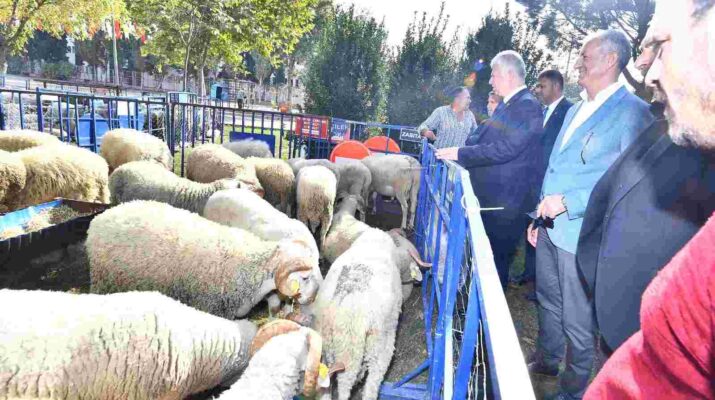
[68, 270]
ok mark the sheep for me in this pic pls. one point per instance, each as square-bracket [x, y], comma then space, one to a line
[210, 162]
[356, 312]
[278, 181]
[298, 163]
[345, 230]
[222, 270]
[12, 176]
[240, 208]
[355, 179]
[120, 146]
[21, 139]
[137, 345]
[147, 180]
[52, 171]
[280, 351]
[399, 176]
[315, 195]
[250, 148]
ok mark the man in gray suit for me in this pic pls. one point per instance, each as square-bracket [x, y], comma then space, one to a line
[594, 134]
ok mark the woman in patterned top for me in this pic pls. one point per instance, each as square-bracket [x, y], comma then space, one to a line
[449, 125]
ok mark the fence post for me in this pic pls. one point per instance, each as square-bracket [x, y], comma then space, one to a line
[92, 125]
[40, 119]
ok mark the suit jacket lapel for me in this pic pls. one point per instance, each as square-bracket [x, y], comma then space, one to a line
[637, 172]
[595, 118]
[567, 121]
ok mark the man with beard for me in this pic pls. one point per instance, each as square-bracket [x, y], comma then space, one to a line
[673, 355]
[651, 201]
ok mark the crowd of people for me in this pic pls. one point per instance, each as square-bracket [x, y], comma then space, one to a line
[621, 198]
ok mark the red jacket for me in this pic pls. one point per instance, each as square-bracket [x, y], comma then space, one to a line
[673, 355]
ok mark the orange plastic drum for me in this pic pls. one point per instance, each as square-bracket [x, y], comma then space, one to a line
[349, 149]
[380, 143]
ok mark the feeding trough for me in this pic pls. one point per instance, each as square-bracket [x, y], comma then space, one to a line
[45, 227]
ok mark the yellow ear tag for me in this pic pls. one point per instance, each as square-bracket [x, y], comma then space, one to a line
[323, 371]
[413, 274]
[294, 286]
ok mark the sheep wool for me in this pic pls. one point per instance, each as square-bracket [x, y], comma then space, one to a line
[344, 230]
[58, 170]
[356, 312]
[12, 177]
[147, 180]
[315, 195]
[136, 346]
[250, 148]
[21, 139]
[145, 245]
[396, 175]
[355, 179]
[278, 181]
[210, 162]
[120, 146]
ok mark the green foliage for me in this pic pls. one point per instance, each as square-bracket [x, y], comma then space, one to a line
[60, 70]
[346, 76]
[45, 47]
[424, 67]
[503, 32]
[76, 18]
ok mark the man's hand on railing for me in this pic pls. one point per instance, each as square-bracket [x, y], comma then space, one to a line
[429, 135]
[449, 153]
[532, 234]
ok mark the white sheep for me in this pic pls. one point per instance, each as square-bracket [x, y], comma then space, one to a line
[396, 175]
[21, 139]
[225, 271]
[315, 195]
[53, 170]
[210, 162]
[137, 345]
[278, 181]
[243, 209]
[147, 180]
[12, 177]
[346, 229]
[250, 148]
[356, 312]
[120, 146]
[355, 179]
[284, 355]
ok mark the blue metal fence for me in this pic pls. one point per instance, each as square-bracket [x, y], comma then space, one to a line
[472, 348]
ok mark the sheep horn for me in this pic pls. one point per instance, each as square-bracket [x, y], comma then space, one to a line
[398, 231]
[416, 256]
[285, 268]
[312, 364]
[269, 330]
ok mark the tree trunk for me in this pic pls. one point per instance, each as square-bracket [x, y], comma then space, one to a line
[186, 67]
[289, 72]
[3, 60]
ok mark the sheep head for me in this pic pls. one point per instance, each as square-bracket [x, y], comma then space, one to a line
[317, 375]
[416, 262]
[294, 270]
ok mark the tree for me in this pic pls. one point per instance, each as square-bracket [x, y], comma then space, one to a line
[197, 34]
[76, 18]
[263, 67]
[568, 22]
[346, 76]
[424, 66]
[500, 32]
[45, 47]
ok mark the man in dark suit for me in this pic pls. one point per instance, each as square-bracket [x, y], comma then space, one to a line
[549, 90]
[653, 199]
[501, 157]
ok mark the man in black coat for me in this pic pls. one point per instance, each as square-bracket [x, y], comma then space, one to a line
[549, 90]
[651, 201]
[501, 158]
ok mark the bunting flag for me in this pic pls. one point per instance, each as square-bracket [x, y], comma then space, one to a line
[117, 29]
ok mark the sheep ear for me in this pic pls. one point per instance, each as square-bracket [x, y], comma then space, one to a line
[337, 367]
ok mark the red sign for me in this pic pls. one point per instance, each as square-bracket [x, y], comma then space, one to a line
[314, 127]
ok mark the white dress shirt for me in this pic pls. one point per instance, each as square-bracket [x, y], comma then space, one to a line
[588, 108]
[550, 109]
[512, 94]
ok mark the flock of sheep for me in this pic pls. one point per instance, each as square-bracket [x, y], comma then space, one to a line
[177, 261]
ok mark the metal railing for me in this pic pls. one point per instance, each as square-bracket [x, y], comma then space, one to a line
[472, 347]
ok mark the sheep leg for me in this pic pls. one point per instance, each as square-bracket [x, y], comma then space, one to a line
[380, 348]
[325, 222]
[402, 198]
[414, 192]
[346, 381]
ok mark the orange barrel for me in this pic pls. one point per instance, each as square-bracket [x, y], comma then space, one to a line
[349, 149]
[382, 143]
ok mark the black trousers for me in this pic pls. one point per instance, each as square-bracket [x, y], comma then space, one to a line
[504, 232]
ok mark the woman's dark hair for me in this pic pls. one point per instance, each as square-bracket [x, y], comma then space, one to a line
[454, 92]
